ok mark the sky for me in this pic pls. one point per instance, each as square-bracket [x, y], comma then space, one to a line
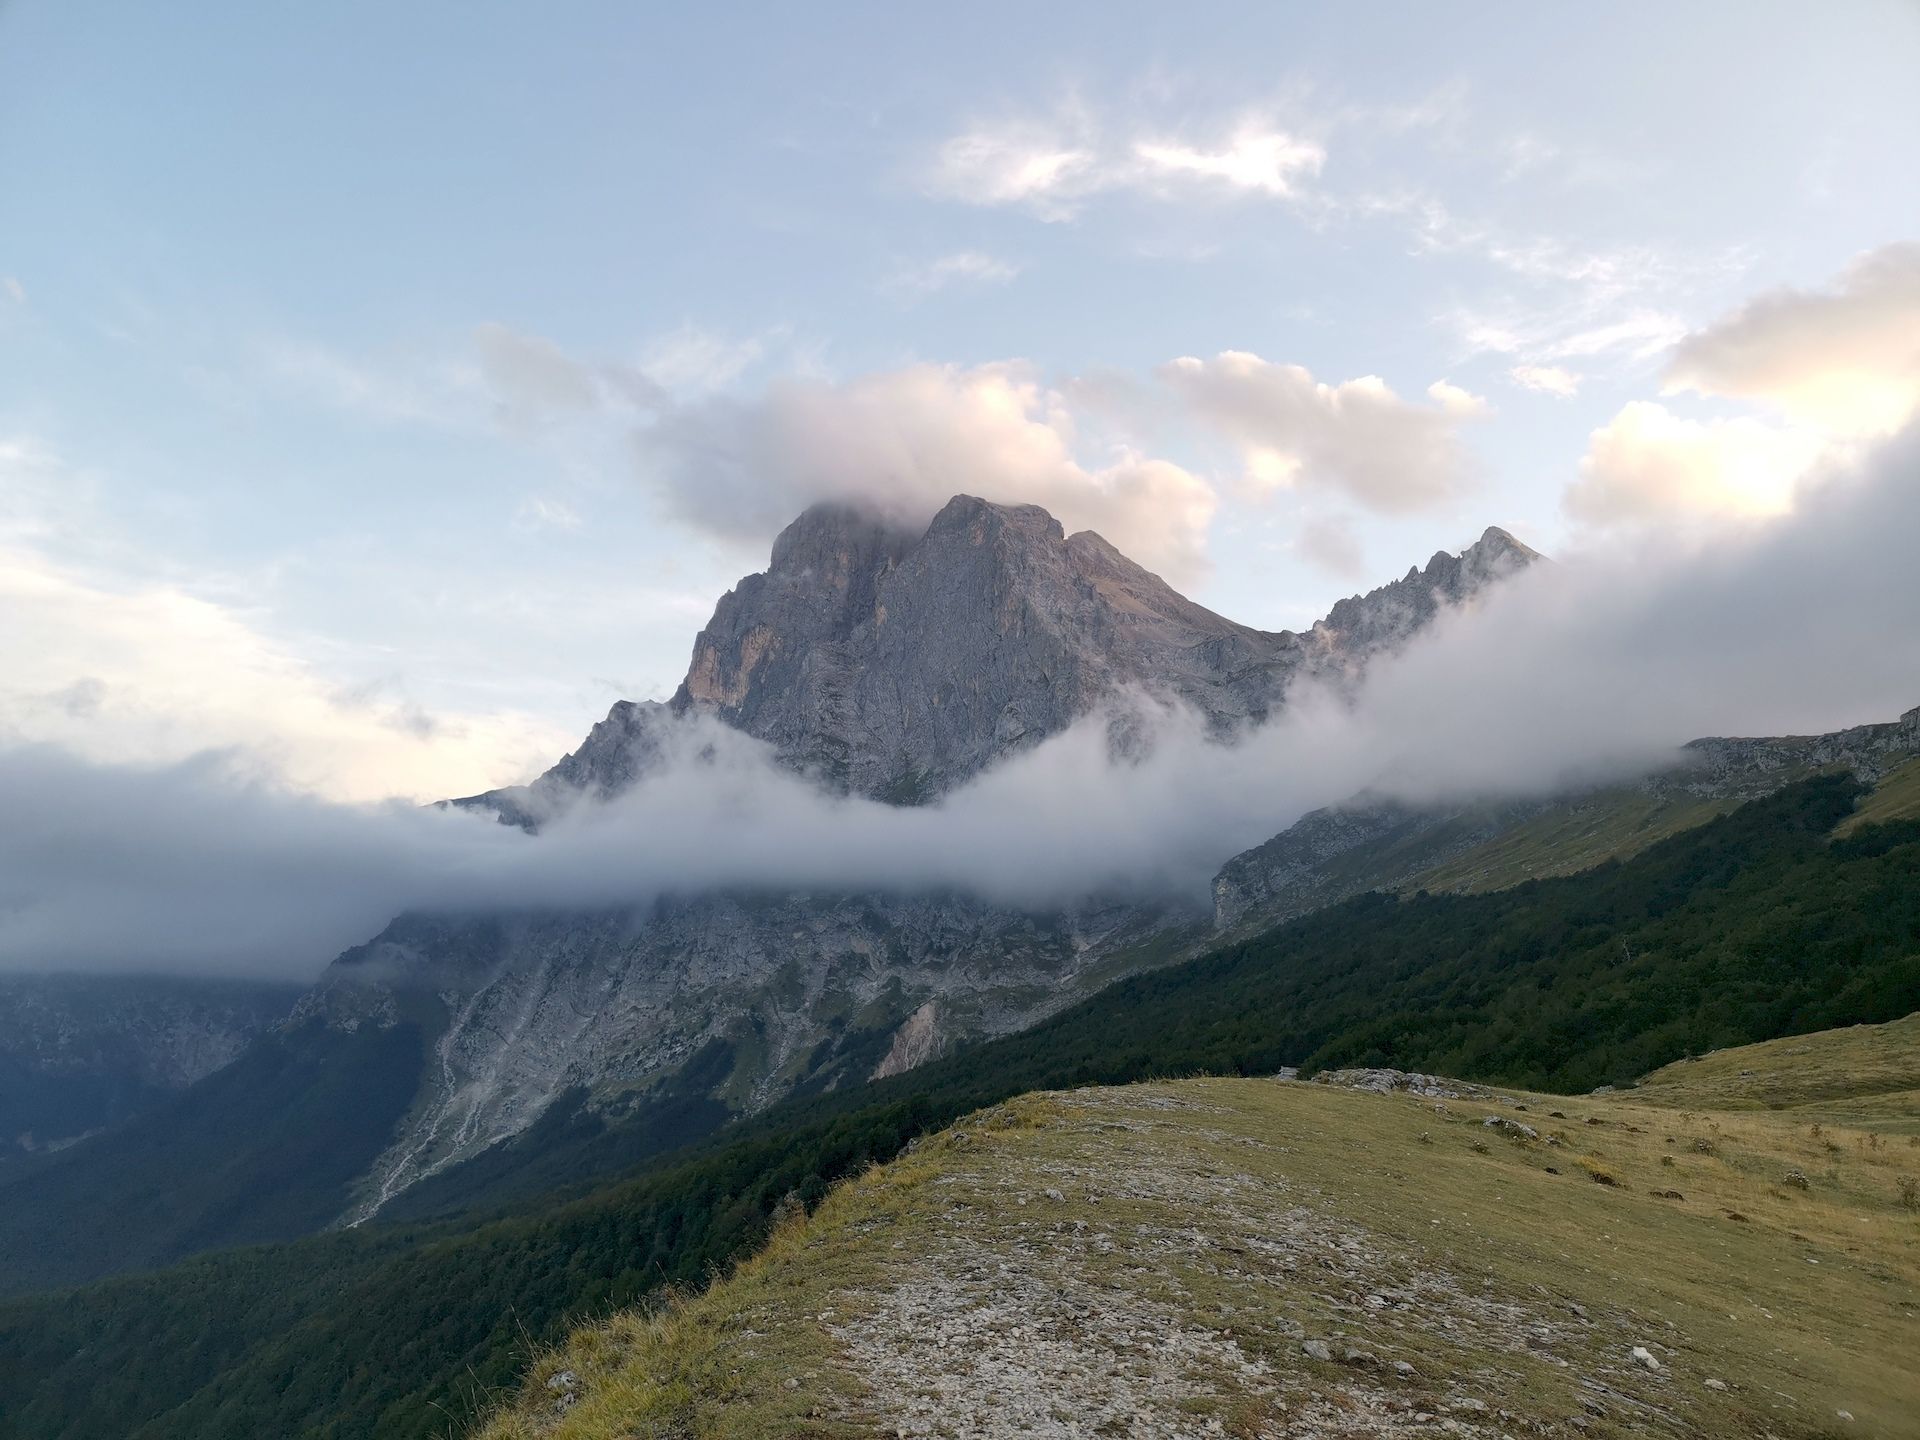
[385, 391]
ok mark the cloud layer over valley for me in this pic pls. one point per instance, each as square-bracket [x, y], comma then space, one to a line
[1593, 667]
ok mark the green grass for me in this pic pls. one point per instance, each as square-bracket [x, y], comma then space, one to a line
[1565, 840]
[1868, 1074]
[1896, 797]
[1803, 1303]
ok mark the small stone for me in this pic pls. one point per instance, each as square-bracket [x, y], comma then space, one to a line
[1403, 1369]
[1358, 1357]
[564, 1380]
[1055, 1196]
[1796, 1180]
[1316, 1350]
[791, 1383]
[1716, 1385]
[1643, 1357]
[1844, 1414]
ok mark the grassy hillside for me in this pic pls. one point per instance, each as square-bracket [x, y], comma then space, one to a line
[1572, 836]
[1618, 823]
[1751, 927]
[1157, 1258]
[1896, 797]
[1864, 1074]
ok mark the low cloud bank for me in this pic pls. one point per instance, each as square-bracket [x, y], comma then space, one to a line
[1592, 668]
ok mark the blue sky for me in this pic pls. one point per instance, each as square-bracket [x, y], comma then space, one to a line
[389, 392]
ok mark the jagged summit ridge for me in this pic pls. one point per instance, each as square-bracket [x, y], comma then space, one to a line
[897, 664]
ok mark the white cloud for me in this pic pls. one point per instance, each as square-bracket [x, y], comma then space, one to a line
[1846, 358]
[532, 379]
[1552, 380]
[693, 359]
[1255, 159]
[1053, 164]
[903, 443]
[1358, 436]
[16, 292]
[1330, 544]
[963, 267]
[155, 675]
[1648, 465]
[1458, 402]
[1836, 366]
[1587, 670]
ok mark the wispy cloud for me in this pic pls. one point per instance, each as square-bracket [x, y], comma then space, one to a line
[1554, 380]
[1053, 163]
[962, 267]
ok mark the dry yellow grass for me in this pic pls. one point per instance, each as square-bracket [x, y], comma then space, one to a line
[1016, 1261]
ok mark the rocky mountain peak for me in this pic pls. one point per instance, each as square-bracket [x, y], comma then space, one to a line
[1363, 625]
[897, 664]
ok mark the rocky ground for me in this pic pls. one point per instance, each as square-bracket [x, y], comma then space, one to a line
[1379, 1256]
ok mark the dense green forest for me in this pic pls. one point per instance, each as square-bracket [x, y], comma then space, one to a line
[1753, 926]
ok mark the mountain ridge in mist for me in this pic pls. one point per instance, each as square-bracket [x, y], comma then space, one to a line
[897, 664]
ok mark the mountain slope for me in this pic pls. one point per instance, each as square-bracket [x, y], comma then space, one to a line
[1753, 926]
[1257, 1257]
[895, 665]
[81, 1053]
[267, 1148]
[1370, 843]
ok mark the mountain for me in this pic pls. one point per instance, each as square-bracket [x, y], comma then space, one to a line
[894, 665]
[475, 1056]
[81, 1053]
[898, 665]
[1758, 924]
[1374, 843]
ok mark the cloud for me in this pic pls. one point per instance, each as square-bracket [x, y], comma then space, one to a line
[1053, 164]
[152, 674]
[694, 360]
[1546, 380]
[963, 267]
[1329, 543]
[1846, 358]
[1590, 669]
[15, 291]
[1357, 437]
[1648, 465]
[1253, 159]
[902, 443]
[1835, 366]
[534, 380]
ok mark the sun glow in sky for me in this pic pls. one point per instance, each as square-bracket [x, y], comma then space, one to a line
[385, 391]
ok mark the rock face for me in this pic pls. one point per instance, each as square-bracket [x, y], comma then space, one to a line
[727, 1001]
[1365, 844]
[80, 1053]
[1365, 624]
[1869, 751]
[889, 664]
[897, 665]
